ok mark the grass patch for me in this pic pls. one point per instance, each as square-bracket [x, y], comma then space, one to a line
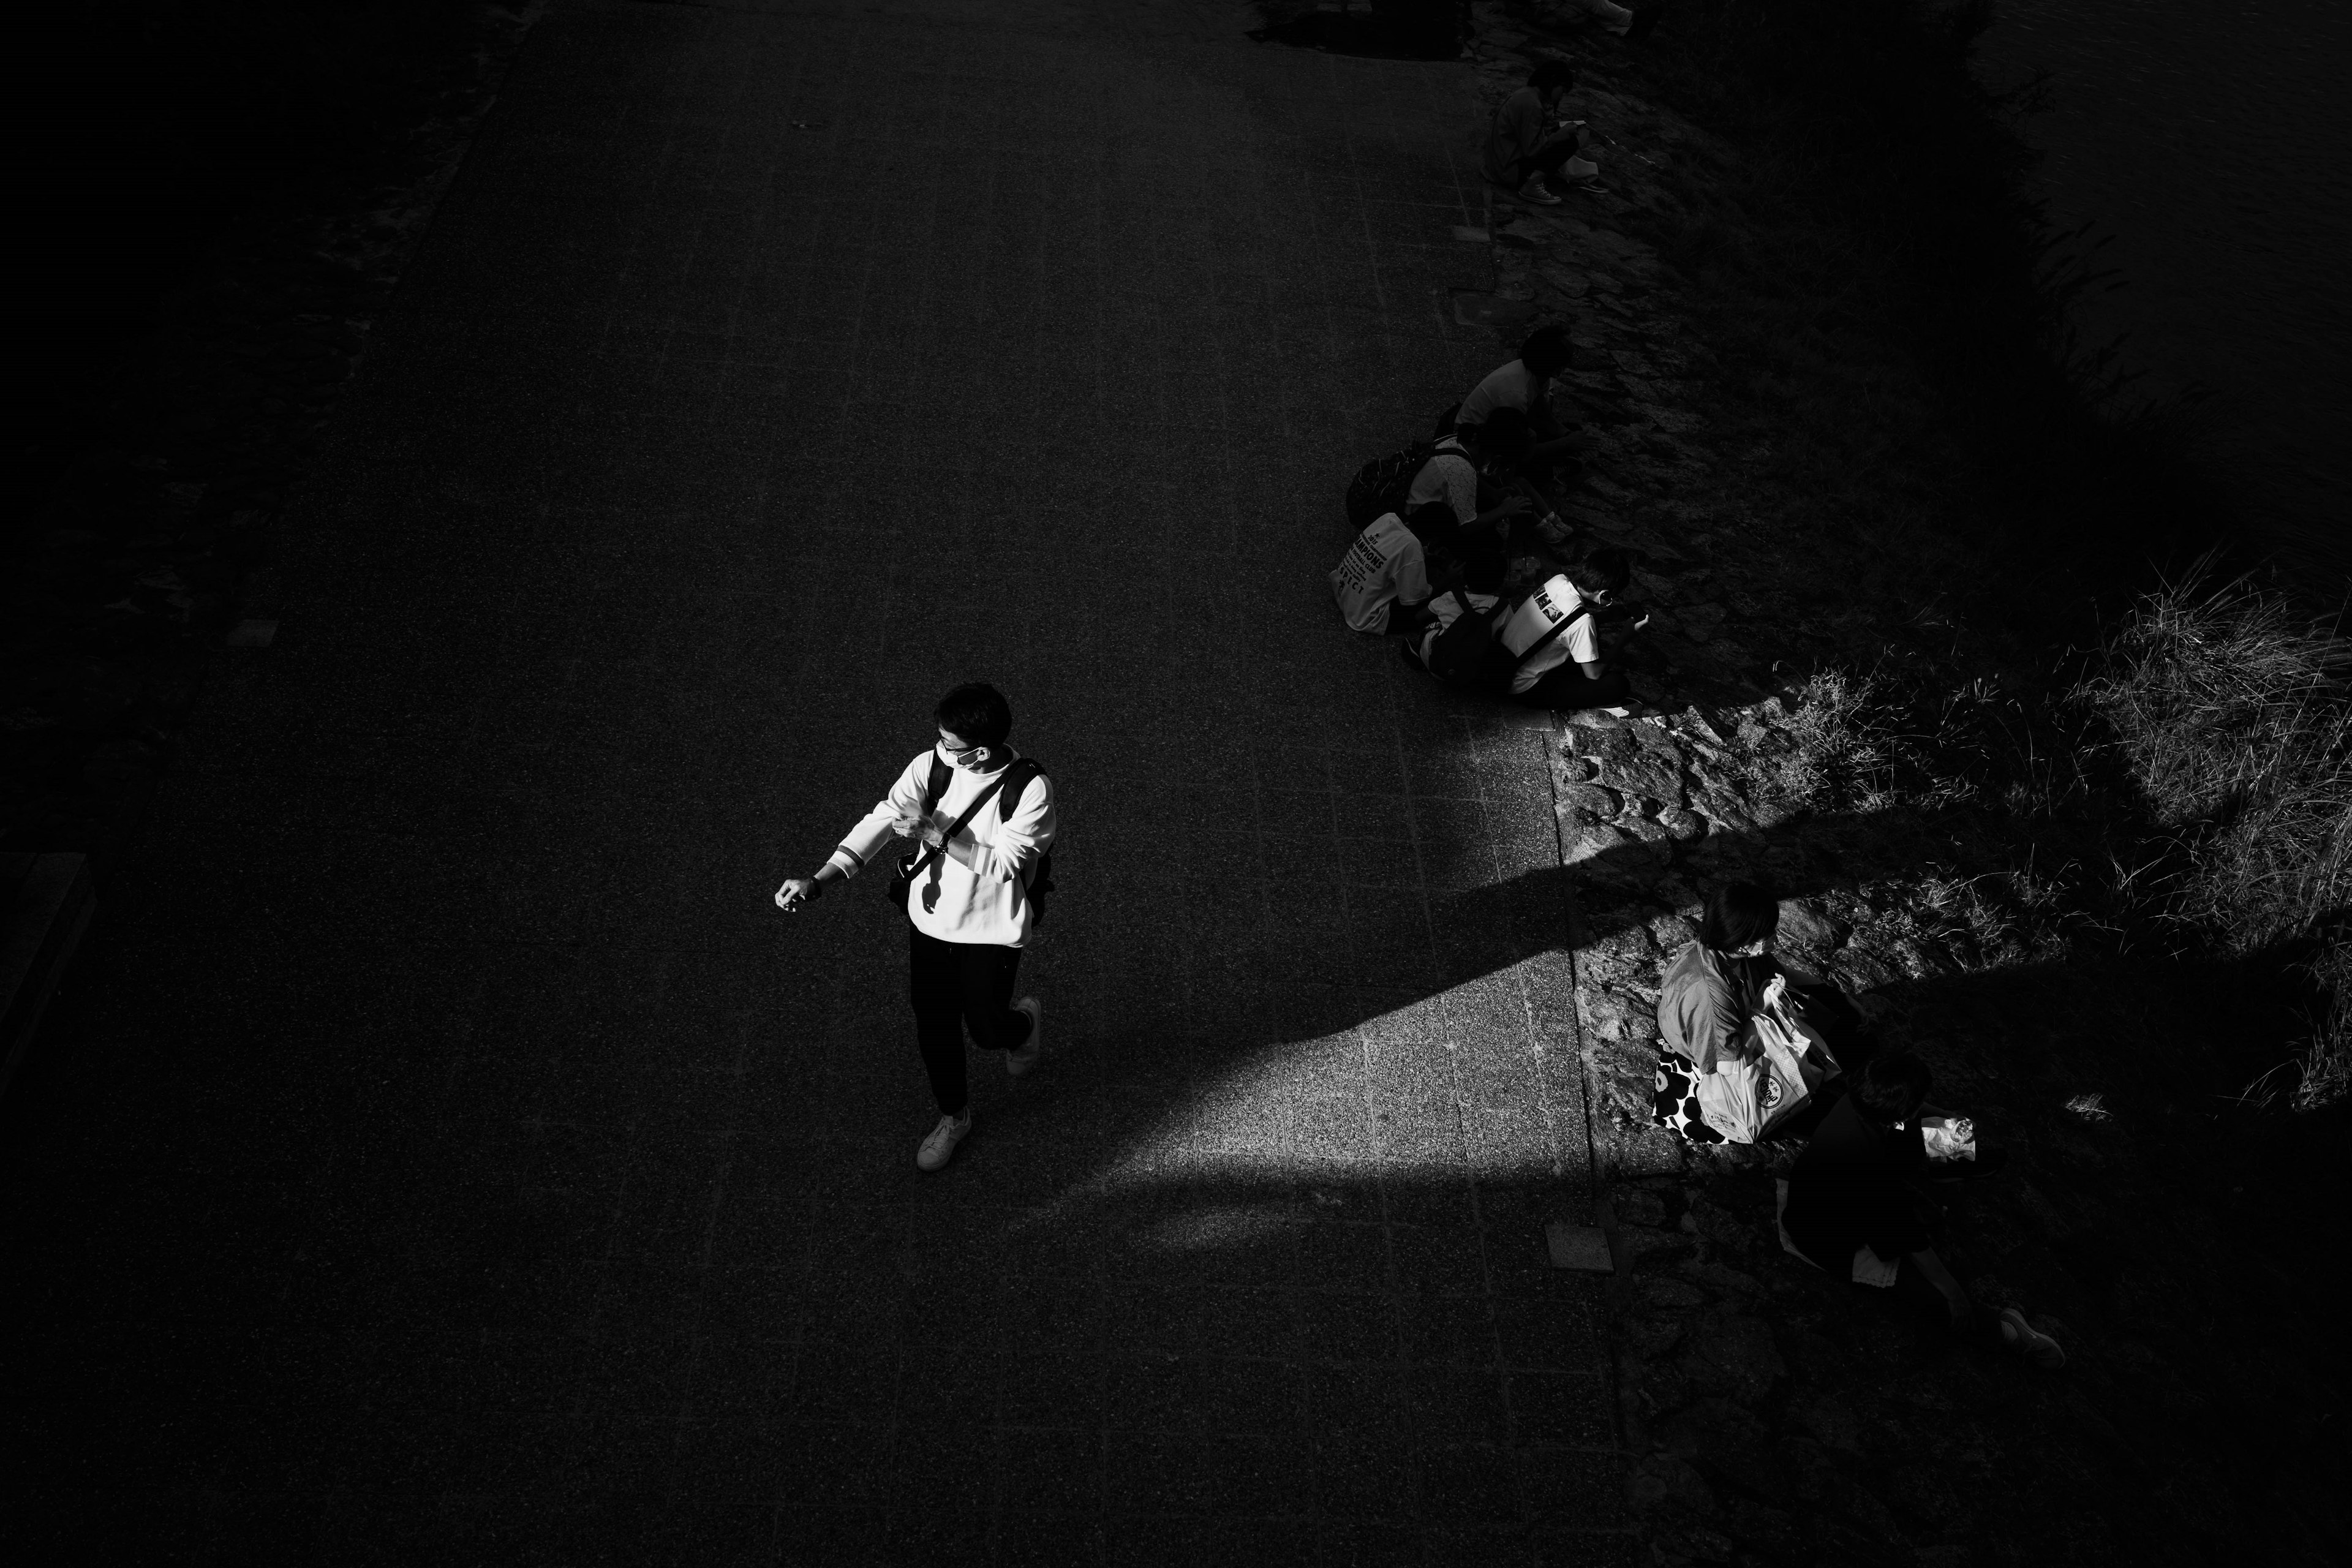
[2231, 715]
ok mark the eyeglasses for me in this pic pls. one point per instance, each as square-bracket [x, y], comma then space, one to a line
[961, 750]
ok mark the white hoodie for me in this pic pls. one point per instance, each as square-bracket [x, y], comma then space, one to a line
[985, 874]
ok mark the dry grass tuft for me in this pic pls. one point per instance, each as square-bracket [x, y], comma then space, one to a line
[1841, 753]
[2233, 718]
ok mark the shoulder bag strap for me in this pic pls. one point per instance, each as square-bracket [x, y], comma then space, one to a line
[1558, 627]
[930, 856]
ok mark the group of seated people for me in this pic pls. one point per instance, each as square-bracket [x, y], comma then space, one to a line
[1855, 1203]
[1436, 537]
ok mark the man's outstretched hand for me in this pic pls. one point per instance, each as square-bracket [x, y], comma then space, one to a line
[796, 892]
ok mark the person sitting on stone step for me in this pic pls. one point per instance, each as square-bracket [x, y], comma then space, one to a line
[1712, 990]
[1524, 387]
[1470, 466]
[1521, 146]
[1382, 582]
[1850, 1207]
[1565, 672]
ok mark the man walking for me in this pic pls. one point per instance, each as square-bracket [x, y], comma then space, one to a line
[980, 819]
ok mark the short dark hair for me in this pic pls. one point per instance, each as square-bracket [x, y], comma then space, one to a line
[1546, 351]
[1738, 913]
[1551, 74]
[1606, 570]
[1891, 1087]
[1482, 571]
[977, 711]
[1431, 520]
[1502, 435]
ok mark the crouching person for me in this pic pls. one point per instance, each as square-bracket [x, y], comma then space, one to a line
[1850, 1209]
[1520, 392]
[1522, 145]
[1553, 636]
[1543, 651]
[1382, 582]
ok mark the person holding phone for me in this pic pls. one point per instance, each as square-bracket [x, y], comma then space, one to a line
[979, 819]
[1566, 672]
[1523, 146]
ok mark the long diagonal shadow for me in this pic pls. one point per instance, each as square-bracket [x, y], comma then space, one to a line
[1463, 1064]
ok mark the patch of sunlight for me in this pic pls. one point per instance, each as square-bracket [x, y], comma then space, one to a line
[1439, 1088]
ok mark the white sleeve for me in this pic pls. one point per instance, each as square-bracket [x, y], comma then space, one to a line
[1583, 642]
[873, 831]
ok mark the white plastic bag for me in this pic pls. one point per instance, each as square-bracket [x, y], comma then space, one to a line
[1745, 1100]
[1949, 1137]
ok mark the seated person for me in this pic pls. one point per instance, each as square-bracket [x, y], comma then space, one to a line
[1453, 474]
[1851, 1209]
[1524, 387]
[1565, 672]
[1521, 146]
[1712, 988]
[1383, 580]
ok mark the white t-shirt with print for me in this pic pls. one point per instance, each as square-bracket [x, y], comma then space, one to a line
[1449, 476]
[1383, 565]
[1543, 610]
[1509, 386]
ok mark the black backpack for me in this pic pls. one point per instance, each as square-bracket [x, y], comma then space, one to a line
[1014, 784]
[1381, 485]
[1470, 652]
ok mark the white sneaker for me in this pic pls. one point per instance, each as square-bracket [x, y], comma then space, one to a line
[1020, 1061]
[936, 1150]
[1535, 191]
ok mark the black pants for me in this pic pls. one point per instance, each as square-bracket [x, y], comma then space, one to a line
[1549, 154]
[1978, 1326]
[1568, 687]
[957, 986]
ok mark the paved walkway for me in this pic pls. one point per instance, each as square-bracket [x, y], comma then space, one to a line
[465, 1164]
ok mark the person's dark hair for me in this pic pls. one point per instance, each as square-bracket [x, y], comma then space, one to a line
[1893, 1087]
[1606, 570]
[1501, 438]
[1551, 74]
[1431, 519]
[1738, 913]
[977, 711]
[1546, 351]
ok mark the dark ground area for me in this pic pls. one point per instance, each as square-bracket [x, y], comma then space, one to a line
[446, 1155]
[454, 1157]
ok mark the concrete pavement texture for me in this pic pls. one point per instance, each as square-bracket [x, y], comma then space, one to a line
[462, 1160]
